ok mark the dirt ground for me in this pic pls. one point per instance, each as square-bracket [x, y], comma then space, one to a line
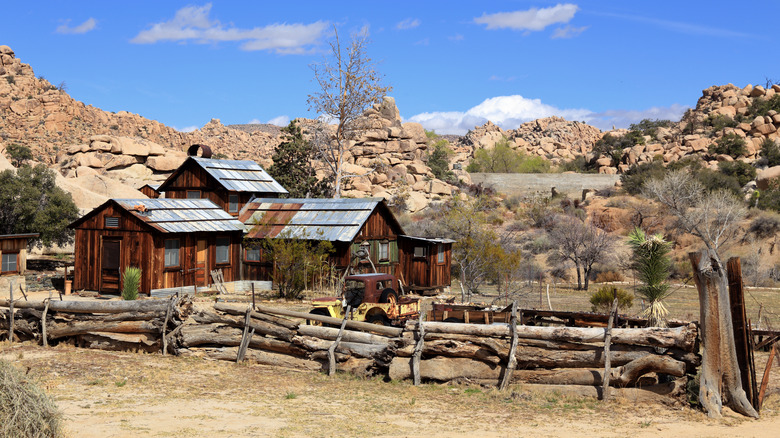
[112, 394]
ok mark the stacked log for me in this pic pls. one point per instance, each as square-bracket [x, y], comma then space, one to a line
[108, 325]
[276, 340]
[548, 355]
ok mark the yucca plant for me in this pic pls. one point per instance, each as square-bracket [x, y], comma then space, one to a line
[653, 266]
[132, 277]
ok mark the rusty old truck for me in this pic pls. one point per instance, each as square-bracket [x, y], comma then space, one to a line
[372, 298]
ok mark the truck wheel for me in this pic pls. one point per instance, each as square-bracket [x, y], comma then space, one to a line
[378, 319]
[318, 311]
[388, 296]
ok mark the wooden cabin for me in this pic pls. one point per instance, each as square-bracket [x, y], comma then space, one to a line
[426, 262]
[346, 223]
[150, 190]
[175, 242]
[228, 183]
[13, 253]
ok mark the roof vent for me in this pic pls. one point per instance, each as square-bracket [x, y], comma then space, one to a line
[193, 151]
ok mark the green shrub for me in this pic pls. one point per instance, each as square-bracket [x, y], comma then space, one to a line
[25, 409]
[761, 106]
[10, 79]
[18, 154]
[635, 177]
[132, 282]
[439, 161]
[731, 145]
[650, 127]
[579, 164]
[503, 159]
[743, 172]
[601, 300]
[765, 225]
[770, 152]
[769, 199]
[718, 122]
[713, 180]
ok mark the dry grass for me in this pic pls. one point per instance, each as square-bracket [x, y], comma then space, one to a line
[25, 409]
[124, 394]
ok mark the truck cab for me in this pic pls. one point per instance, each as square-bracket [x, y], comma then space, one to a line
[373, 298]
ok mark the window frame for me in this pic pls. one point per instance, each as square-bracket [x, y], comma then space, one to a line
[440, 256]
[233, 206]
[167, 251]
[253, 249]
[217, 249]
[424, 252]
[386, 247]
[2, 262]
[187, 194]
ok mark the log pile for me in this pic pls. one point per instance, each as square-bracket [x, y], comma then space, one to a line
[437, 351]
[108, 325]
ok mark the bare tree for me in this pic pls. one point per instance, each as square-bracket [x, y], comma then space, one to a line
[713, 218]
[349, 85]
[582, 244]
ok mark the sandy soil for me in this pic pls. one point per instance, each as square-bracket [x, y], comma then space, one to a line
[111, 394]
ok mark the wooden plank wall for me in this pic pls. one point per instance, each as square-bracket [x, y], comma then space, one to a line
[19, 246]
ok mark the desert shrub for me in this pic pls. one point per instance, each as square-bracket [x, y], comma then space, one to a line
[503, 159]
[560, 272]
[18, 154]
[765, 225]
[579, 164]
[719, 121]
[601, 300]
[769, 153]
[650, 127]
[10, 79]
[25, 409]
[132, 282]
[769, 199]
[743, 172]
[512, 202]
[713, 180]
[761, 107]
[731, 145]
[608, 276]
[439, 161]
[538, 245]
[635, 177]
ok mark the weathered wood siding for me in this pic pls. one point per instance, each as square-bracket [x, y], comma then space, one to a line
[18, 246]
[425, 272]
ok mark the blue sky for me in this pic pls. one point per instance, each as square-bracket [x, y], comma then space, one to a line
[452, 65]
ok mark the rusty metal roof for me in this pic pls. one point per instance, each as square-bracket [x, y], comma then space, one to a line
[430, 239]
[181, 215]
[334, 220]
[240, 175]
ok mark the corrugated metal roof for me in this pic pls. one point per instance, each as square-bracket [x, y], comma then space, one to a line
[240, 175]
[334, 220]
[430, 239]
[181, 215]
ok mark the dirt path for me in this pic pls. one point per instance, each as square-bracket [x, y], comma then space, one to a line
[108, 394]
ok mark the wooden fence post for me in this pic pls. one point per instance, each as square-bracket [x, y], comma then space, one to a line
[246, 337]
[511, 363]
[165, 326]
[607, 354]
[43, 322]
[332, 349]
[418, 348]
[11, 314]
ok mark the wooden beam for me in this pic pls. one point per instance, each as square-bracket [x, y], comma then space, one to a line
[512, 359]
[607, 356]
[765, 379]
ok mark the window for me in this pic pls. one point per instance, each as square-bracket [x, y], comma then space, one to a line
[420, 251]
[223, 250]
[172, 253]
[112, 222]
[10, 262]
[233, 203]
[252, 254]
[440, 255]
[384, 251]
[193, 194]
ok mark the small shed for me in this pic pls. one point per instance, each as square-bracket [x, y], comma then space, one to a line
[175, 242]
[345, 222]
[228, 183]
[426, 262]
[13, 253]
[150, 190]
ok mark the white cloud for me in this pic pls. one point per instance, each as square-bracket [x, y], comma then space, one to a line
[509, 112]
[568, 31]
[192, 23]
[409, 23]
[188, 128]
[84, 27]
[456, 37]
[533, 19]
[280, 121]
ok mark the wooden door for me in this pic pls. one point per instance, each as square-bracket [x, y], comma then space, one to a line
[420, 272]
[201, 274]
[109, 265]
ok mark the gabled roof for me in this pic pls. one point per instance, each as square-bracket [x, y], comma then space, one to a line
[232, 175]
[174, 215]
[334, 220]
